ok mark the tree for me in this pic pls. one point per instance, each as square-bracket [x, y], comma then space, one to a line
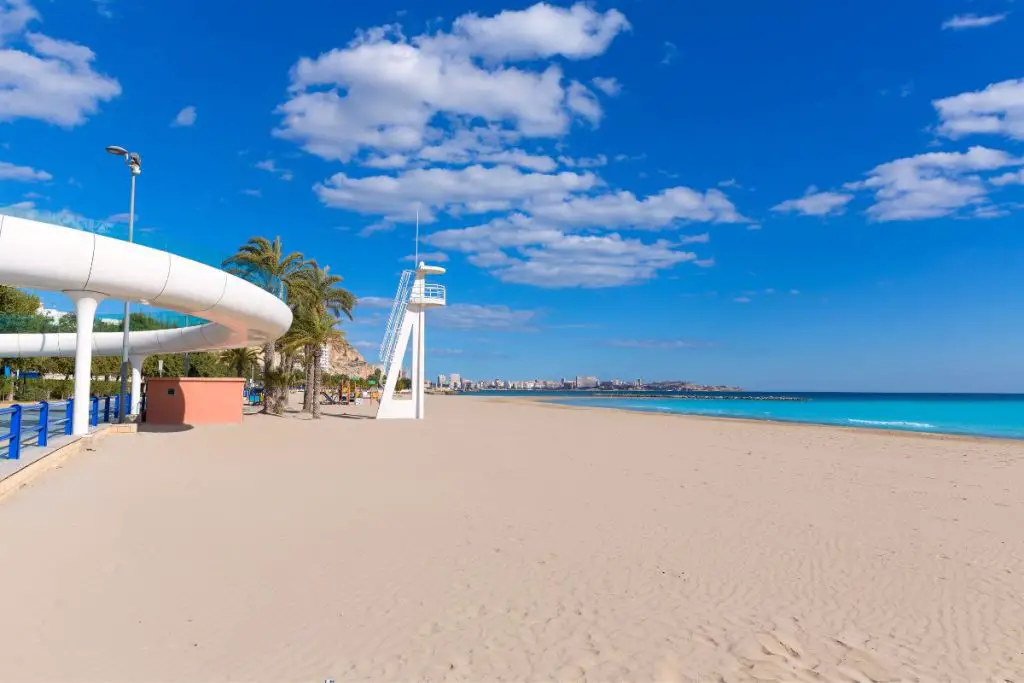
[240, 361]
[318, 290]
[265, 264]
[314, 330]
[16, 302]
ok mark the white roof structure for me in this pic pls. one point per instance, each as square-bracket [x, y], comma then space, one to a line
[50, 257]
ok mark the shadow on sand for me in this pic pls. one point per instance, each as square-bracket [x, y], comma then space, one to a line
[163, 429]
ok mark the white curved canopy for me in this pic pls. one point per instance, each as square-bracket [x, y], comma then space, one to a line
[44, 256]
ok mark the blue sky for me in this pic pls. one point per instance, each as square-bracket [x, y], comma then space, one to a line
[817, 196]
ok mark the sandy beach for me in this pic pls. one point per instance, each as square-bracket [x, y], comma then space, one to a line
[511, 541]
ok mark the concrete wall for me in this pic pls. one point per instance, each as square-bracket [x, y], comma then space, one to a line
[194, 400]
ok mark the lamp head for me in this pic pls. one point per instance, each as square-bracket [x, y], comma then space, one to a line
[118, 151]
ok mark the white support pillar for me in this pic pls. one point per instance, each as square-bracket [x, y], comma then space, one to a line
[136, 390]
[85, 316]
[419, 378]
[417, 370]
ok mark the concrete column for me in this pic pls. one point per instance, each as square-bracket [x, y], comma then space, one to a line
[415, 358]
[137, 362]
[421, 352]
[85, 316]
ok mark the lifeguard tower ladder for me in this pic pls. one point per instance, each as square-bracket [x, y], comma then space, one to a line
[406, 323]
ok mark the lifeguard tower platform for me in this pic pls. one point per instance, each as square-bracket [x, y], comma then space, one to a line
[407, 323]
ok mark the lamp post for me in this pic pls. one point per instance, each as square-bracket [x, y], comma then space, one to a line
[134, 163]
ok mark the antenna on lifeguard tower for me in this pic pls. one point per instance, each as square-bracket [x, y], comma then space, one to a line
[416, 256]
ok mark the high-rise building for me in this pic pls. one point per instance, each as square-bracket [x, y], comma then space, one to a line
[456, 380]
[442, 380]
[586, 382]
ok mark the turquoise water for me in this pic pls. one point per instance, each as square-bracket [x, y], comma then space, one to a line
[970, 414]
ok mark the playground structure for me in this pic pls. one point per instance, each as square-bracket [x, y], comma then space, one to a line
[407, 323]
[90, 268]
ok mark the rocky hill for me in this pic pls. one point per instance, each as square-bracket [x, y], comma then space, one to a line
[346, 360]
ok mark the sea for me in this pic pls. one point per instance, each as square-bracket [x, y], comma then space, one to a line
[986, 415]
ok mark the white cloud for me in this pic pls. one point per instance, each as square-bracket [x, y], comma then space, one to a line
[931, 185]
[375, 302]
[609, 86]
[551, 241]
[521, 250]
[584, 162]
[9, 171]
[428, 256]
[815, 203]
[269, 166]
[624, 210]
[252, 192]
[121, 218]
[540, 31]
[49, 80]
[742, 299]
[15, 15]
[103, 8]
[583, 101]
[1011, 178]
[394, 95]
[484, 317]
[64, 217]
[703, 238]
[997, 110]
[471, 121]
[471, 190]
[521, 159]
[657, 344]
[962, 21]
[186, 117]
[669, 52]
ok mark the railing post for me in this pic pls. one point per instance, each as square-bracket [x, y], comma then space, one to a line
[94, 413]
[14, 452]
[69, 423]
[106, 409]
[44, 423]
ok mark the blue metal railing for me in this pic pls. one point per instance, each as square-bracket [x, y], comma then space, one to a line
[32, 424]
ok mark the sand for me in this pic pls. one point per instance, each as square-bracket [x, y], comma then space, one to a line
[512, 541]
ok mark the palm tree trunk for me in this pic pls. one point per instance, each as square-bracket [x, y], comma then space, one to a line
[269, 396]
[317, 378]
[308, 394]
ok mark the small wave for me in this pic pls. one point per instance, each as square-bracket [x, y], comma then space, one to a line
[892, 423]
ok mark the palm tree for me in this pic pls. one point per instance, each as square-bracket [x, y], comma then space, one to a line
[313, 330]
[318, 290]
[240, 360]
[265, 264]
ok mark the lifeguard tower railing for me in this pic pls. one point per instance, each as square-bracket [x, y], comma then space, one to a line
[394, 325]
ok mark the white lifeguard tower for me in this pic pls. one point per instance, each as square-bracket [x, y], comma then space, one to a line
[408, 322]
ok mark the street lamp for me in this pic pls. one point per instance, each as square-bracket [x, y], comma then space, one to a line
[134, 163]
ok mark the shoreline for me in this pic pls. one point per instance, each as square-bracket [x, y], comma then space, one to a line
[935, 436]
